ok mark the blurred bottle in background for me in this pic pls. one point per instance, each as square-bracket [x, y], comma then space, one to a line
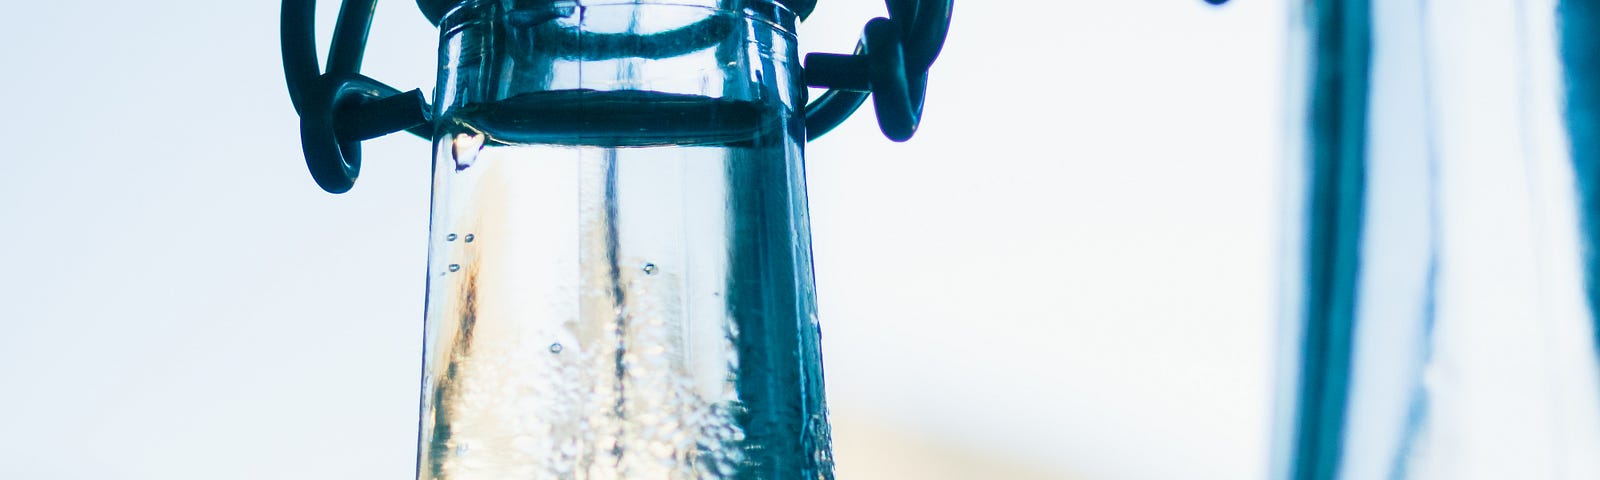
[1440, 255]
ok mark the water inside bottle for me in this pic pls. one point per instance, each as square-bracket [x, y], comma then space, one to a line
[634, 297]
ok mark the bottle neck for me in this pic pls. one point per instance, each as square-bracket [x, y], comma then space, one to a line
[619, 73]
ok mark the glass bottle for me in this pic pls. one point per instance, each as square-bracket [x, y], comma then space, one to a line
[1441, 252]
[620, 280]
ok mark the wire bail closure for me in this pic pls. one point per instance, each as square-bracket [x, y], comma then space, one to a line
[890, 63]
[339, 108]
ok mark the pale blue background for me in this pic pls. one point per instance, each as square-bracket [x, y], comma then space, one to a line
[1068, 271]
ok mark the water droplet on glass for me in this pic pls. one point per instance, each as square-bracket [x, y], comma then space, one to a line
[555, 348]
[455, 267]
[464, 149]
[469, 238]
[461, 449]
[650, 269]
[450, 237]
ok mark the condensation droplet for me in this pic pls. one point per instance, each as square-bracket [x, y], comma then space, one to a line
[650, 269]
[455, 267]
[555, 348]
[470, 237]
[450, 237]
[464, 149]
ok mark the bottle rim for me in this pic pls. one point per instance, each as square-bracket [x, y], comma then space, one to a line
[437, 10]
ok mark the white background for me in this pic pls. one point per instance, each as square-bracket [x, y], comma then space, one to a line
[1067, 274]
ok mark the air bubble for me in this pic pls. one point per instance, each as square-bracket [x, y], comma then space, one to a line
[450, 237]
[455, 267]
[469, 238]
[650, 269]
[555, 348]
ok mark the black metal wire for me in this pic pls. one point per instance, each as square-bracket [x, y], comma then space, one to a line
[927, 35]
[920, 28]
[298, 39]
[339, 108]
[350, 36]
[831, 108]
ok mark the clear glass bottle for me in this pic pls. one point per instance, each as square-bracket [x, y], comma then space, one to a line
[620, 279]
[1441, 282]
